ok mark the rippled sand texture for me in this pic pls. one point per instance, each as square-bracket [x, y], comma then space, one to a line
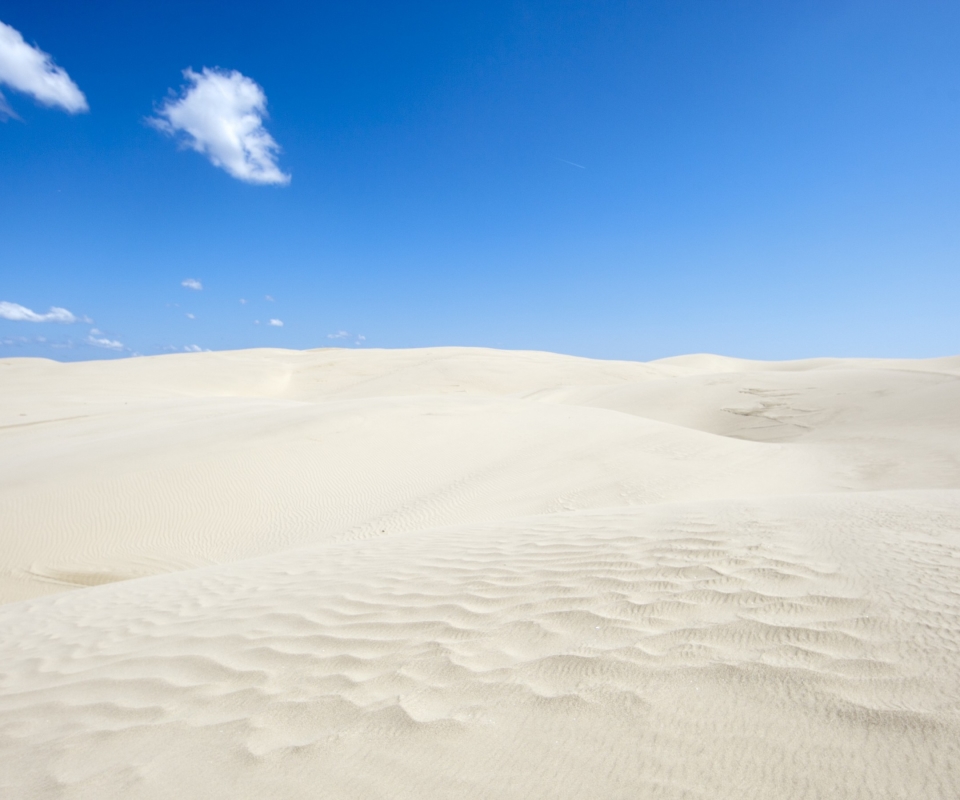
[460, 573]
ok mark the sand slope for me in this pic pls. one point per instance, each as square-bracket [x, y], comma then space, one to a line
[472, 573]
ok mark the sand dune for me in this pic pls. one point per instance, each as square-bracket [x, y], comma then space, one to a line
[462, 573]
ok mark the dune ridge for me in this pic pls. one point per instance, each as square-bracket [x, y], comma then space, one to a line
[469, 573]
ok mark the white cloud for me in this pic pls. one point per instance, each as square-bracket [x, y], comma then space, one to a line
[268, 298]
[109, 344]
[190, 316]
[277, 323]
[221, 115]
[31, 71]
[193, 348]
[243, 302]
[18, 313]
[192, 283]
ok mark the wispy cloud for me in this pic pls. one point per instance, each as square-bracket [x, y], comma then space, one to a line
[193, 348]
[277, 323]
[220, 114]
[359, 339]
[28, 69]
[188, 315]
[19, 341]
[108, 344]
[18, 313]
[268, 298]
[192, 283]
[571, 163]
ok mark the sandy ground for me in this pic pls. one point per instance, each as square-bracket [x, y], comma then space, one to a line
[464, 573]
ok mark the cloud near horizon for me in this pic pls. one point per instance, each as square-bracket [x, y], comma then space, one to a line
[19, 313]
[359, 340]
[29, 70]
[102, 341]
[220, 114]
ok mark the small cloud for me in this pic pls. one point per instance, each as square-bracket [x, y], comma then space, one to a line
[277, 323]
[268, 298]
[29, 70]
[95, 332]
[20, 341]
[338, 335]
[220, 114]
[193, 348]
[256, 322]
[109, 344]
[243, 302]
[189, 316]
[192, 283]
[571, 163]
[18, 313]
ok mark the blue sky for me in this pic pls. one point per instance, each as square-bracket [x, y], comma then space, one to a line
[619, 180]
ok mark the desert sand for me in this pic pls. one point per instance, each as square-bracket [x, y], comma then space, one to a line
[467, 573]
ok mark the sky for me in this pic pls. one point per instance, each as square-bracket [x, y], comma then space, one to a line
[627, 180]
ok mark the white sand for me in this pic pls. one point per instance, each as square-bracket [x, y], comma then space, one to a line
[460, 573]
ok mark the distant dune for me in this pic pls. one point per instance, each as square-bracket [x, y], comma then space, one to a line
[468, 573]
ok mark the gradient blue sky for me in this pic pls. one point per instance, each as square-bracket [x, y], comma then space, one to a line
[620, 180]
